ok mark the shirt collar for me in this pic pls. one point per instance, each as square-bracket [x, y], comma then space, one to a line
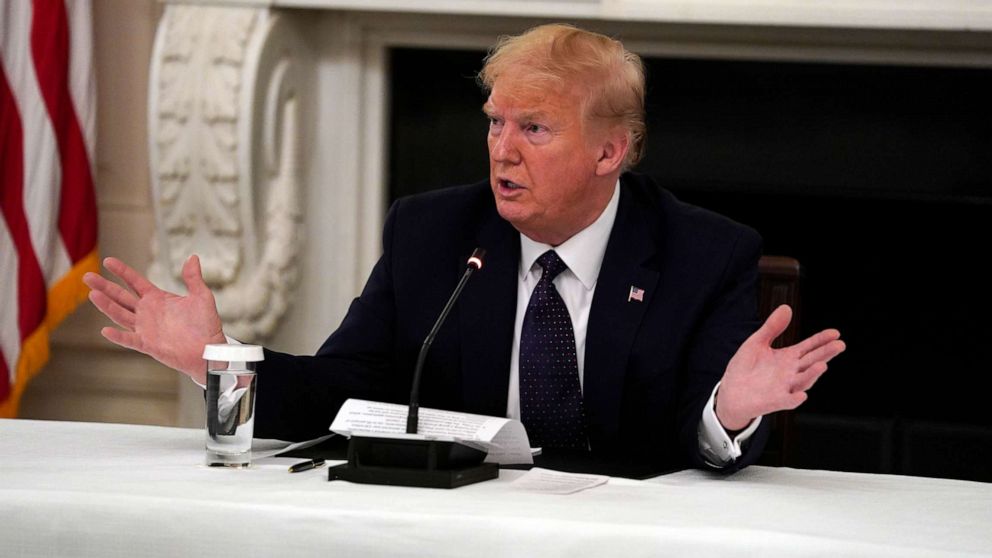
[583, 252]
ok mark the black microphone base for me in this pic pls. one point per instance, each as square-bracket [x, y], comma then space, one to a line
[413, 462]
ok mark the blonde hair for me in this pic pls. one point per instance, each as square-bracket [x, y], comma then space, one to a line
[563, 55]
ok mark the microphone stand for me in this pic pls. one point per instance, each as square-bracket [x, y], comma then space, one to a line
[412, 459]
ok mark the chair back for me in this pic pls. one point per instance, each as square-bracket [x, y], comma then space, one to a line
[778, 283]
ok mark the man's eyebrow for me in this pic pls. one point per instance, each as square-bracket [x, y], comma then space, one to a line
[534, 115]
[488, 108]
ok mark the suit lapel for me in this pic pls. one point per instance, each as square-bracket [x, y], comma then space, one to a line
[487, 310]
[614, 318]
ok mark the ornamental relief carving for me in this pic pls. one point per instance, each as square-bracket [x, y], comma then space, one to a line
[223, 120]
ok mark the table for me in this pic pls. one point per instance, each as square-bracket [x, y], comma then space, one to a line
[79, 489]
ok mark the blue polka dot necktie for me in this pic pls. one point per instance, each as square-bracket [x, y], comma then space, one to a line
[550, 394]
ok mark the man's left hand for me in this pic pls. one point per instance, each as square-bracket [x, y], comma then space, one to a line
[761, 380]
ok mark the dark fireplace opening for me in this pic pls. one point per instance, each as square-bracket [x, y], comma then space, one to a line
[877, 178]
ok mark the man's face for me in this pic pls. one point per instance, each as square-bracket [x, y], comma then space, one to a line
[543, 162]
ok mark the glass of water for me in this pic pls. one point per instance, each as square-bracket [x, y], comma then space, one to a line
[230, 400]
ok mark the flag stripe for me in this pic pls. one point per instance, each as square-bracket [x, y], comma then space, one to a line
[82, 83]
[50, 49]
[10, 338]
[30, 281]
[41, 172]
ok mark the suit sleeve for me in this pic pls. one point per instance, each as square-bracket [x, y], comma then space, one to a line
[729, 319]
[299, 396]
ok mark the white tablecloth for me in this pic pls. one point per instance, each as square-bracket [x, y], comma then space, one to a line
[77, 489]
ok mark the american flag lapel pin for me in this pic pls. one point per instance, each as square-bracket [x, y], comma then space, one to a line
[636, 293]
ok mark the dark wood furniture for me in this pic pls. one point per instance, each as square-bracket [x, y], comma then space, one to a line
[778, 283]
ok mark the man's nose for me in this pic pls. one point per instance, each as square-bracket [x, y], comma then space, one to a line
[503, 147]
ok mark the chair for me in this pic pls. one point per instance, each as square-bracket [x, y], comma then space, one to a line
[778, 283]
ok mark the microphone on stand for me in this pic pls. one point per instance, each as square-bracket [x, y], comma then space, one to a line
[413, 415]
[409, 459]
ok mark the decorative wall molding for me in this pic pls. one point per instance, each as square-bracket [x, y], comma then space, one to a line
[959, 15]
[223, 127]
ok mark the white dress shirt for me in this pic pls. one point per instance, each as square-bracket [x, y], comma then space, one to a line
[583, 254]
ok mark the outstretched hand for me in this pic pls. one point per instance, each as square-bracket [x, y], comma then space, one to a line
[761, 380]
[170, 328]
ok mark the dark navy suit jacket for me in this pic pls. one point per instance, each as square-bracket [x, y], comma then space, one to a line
[650, 366]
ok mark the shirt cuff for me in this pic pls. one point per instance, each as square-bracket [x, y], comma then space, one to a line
[718, 449]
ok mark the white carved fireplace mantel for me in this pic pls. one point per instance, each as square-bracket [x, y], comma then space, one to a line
[268, 120]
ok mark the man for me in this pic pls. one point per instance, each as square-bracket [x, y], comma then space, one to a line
[613, 320]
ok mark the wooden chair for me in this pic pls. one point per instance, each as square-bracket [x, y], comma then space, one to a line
[778, 283]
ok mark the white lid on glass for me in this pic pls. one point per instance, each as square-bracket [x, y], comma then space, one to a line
[233, 353]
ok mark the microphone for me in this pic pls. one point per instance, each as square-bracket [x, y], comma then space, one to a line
[410, 459]
[473, 264]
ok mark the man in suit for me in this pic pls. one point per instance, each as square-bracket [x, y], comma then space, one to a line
[613, 320]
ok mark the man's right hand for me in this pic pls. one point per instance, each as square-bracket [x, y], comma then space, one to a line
[170, 328]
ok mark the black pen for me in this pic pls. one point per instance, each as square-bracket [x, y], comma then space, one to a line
[306, 465]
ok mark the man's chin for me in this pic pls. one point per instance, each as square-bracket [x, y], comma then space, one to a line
[523, 222]
[511, 211]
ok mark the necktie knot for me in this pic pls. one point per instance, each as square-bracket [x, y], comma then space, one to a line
[552, 265]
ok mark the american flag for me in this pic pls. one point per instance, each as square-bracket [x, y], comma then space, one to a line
[636, 293]
[48, 228]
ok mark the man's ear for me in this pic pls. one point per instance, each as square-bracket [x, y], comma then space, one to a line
[613, 152]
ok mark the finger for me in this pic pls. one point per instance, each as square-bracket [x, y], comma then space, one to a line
[805, 380]
[123, 338]
[132, 278]
[193, 276]
[815, 341]
[119, 315]
[794, 400]
[112, 290]
[774, 325]
[822, 354]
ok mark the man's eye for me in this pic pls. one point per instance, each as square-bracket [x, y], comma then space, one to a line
[535, 128]
[495, 123]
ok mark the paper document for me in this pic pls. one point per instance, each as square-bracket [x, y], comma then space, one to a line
[505, 440]
[264, 447]
[556, 482]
